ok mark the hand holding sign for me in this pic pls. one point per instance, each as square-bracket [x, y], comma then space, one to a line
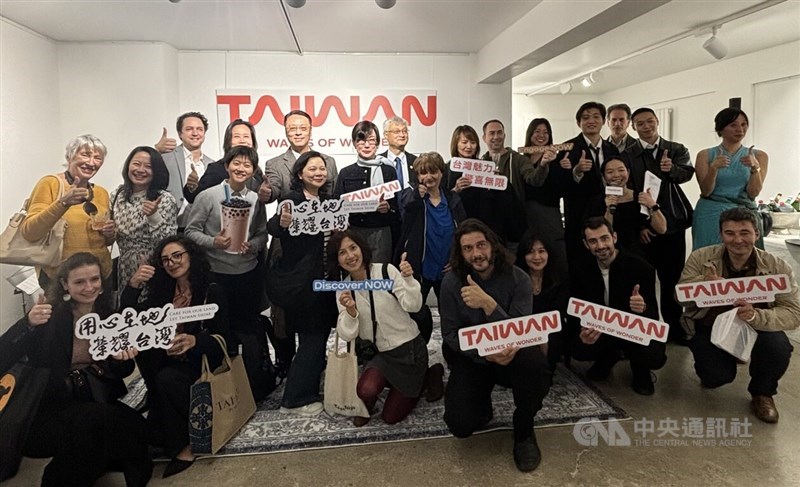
[462, 183]
[182, 343]
[346, 300]
[505, 357]
[637, 301]
[128, 354]
[40, 312]
[405, 267]
[192, 180]
[548, 156]
[744, 310]
[383, 205]
[165, 144]
[665, 163]
[222, 241]
[264, 191]
[150, 207]
[589, 336]
[286, 215]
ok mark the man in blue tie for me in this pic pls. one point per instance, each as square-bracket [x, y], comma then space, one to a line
[396, 131]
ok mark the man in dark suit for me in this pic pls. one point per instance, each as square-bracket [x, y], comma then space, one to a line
[583, 181]
[396, 131]
[187, 163]
[278, 170]
[621, 281]
[619, 119]
[671, 162]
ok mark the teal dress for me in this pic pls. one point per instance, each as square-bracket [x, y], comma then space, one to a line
[730, 191]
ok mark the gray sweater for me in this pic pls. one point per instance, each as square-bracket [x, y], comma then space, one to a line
[205, 223]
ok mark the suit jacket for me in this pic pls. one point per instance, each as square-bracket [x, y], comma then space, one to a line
[176, 162]
[410, 158]
[628, 142]
[278, 172]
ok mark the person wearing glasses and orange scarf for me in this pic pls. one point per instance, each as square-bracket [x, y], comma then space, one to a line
[178, 272]
[82, 204]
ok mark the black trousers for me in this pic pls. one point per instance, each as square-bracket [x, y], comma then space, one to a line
[88, 439]
[468, 396]
[607, 348]
[667, 254]
[768, 361]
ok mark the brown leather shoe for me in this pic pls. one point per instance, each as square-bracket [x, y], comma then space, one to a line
[764, 409]
[359, 421]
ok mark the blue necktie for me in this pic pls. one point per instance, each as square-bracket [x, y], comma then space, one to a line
[398, 166]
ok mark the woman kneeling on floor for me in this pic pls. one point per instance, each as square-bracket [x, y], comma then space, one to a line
[400, 358]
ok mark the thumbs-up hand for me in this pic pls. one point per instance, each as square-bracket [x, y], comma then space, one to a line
[721, 161]
[286, 215]
[144, 273]
[584, 164]
[637, 301]
[40, 312]
[710, 273]
[405, 267]
[565, 163]
[264, 191]
[665, 163]
[383, 205]
[476, 298]
[75, 194]
[346, 300]
[750, 159]
[165, 144]
[192, 179]
[221, 241]
[150, 207]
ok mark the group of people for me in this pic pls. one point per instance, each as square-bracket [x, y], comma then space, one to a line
[487, 254]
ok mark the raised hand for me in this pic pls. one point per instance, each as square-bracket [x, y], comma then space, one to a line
[750, 159]
[665, 163]
[565, 163]
[144, 273]
[405, 267]
[584, 164]
[264, 191]
[711, 273]
[637, 301]
[346, 300]
[40, 312]
[165, 144]
[192, 179]
[286, 215]
[548, 156]
[462, 183]
[109, 231]
[422, 190]
[150, 207]
[744, 310]
[721, 161]
[383, 205]
[476, 298]
[646, 199]
[75, 195]
[222, 241]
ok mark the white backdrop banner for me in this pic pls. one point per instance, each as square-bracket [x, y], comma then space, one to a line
[333, 114]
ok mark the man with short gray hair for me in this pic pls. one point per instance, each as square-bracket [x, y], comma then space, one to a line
[396, 131]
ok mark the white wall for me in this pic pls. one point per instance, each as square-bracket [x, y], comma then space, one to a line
[30, 130]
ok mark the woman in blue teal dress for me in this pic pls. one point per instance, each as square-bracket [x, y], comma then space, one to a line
[730, 175]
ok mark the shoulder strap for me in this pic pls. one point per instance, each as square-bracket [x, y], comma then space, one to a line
[372, 313]
[114, 201]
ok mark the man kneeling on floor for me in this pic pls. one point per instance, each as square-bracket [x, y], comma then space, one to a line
[484, 286]
[737, 257]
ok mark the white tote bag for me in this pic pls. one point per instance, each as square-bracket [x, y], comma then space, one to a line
[341, 379]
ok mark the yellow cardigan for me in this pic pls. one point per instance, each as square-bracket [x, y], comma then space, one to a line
[44, 211]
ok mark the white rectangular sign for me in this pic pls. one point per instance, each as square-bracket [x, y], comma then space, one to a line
[472, 166]
[723, 292]
[538, 149]
[614, 190]
[525, 331]
[374, 192]
[488, 182]
[620, 324]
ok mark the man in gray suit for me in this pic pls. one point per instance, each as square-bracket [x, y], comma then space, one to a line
[396, 131]
[278, 170]
[187, 163]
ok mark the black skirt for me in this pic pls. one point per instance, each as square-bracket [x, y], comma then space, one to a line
[404, 367]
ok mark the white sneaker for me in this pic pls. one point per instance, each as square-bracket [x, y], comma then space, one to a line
[312, 409]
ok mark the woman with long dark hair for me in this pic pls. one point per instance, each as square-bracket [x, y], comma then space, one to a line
[79, 422]
[400, 361]
[144, 211]
[178, 272]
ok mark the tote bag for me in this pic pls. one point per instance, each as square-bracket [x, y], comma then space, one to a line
[15, 249]
[221, 402]
[341, 379]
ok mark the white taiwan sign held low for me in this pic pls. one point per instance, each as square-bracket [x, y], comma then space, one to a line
[525, 331]
[387, 190]
[724, 292]
[620, 324]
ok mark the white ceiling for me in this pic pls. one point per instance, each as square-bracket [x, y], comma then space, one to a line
[426, 26]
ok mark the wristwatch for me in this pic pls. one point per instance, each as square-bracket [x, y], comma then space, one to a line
[656, 207]
[755, 169]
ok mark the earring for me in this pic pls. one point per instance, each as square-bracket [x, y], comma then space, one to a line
[101, 292]
[66, 297]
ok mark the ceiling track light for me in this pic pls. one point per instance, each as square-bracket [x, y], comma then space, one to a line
[295, 3]
[588, 81]
[714, 46]
[386, 4]
[565, 88]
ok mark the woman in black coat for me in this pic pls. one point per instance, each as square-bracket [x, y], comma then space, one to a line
[178, 273]
[311, 315]
[79, 422]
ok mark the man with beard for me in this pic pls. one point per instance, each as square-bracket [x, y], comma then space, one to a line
[484, 286]
[622, 281]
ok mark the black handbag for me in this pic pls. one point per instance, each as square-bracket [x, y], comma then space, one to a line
[21, 391]
[289, 284]
[678, 211]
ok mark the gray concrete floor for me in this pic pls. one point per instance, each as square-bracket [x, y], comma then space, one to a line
[771, 457]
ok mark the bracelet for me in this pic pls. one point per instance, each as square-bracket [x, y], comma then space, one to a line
[755, 169]
[752, 318]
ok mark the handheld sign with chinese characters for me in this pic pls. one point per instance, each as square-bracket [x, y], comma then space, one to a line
[315, 216]
[525, 331]
[537, 149]
[620, 324]
[723, 292]
[153, 328]
[472, 166]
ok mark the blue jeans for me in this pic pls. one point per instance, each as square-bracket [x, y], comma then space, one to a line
[302, 382]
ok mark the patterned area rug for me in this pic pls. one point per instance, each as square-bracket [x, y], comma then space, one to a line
[270, 431]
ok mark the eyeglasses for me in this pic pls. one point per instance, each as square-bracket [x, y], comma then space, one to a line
[298, 128]
[174, 258]
[370, 141]
[399, 131]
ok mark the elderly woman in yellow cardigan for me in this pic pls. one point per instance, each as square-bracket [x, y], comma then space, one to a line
[84, 206]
